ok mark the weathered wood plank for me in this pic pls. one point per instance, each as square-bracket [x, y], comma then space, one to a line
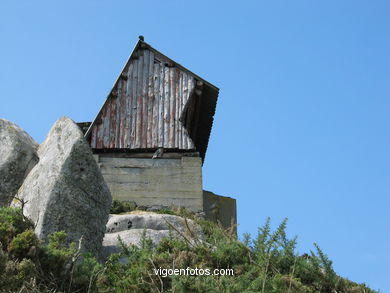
[128, 104]
[113, 122]
[99, 137]
[145, 98]
[122, 111]
[161, 107]
[180, 109]
[177, 106]
[172, 106]
[166, 107]
[134, 82]
[106, 126]
[125, 105]
[93, 137]
[185, 100]
[138, 133]
[150, 100]
[117, 124]
[191, 86]
[156, 84]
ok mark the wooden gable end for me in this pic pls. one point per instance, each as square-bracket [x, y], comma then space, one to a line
[151, 106]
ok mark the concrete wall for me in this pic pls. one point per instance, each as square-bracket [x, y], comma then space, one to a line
[220, 209]
[165, 182]
[173, 180]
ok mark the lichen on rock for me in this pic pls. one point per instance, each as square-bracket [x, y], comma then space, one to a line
[18, 155]
[65, 191]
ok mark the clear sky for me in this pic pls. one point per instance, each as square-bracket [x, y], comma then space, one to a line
[302, 123]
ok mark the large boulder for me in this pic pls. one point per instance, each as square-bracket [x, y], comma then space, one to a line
[65, 190]
[150, 220]
[18, 155]
[111, 242]
[132, 227]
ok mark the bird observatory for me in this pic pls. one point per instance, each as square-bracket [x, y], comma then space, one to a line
[151, 135]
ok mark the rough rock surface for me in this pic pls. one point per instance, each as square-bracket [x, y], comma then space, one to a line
[65, 190]
[18, 155]
[130, 237]
[149, 220]
[130, 228]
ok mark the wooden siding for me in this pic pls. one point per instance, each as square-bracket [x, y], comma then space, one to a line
[146, 107]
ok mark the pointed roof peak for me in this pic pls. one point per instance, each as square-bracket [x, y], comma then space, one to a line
[200, 100]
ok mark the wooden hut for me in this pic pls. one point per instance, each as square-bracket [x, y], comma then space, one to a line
[150, 137]
[155, 103]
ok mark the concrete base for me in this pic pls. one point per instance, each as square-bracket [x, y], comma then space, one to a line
[166, 182]
[160, 182]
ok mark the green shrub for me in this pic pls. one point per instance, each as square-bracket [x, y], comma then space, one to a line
[86, 274]
[23, 245]
[267, 263]
[12, 222]
[119, 207]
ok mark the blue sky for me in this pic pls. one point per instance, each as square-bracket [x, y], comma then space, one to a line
[302, 124]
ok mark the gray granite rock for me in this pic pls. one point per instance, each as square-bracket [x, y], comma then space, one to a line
[18, 155]
[150, 220]
[130, 237]
[65, 190]
[130, 228]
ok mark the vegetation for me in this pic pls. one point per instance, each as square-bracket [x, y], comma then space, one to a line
[267, 263]
[119, 207]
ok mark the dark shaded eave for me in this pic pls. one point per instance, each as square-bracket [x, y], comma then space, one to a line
[207, 109]
[206, 119]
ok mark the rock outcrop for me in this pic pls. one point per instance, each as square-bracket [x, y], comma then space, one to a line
[18, 155]
[65, 190]
[132, 226]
